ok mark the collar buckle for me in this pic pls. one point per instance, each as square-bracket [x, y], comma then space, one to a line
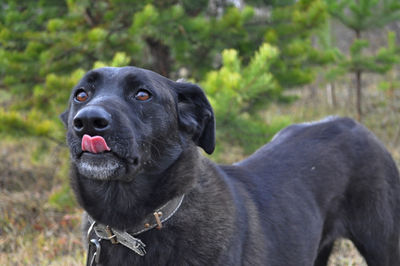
[111, 236]
[157, 215]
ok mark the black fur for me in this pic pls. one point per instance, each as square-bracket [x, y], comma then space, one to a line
[284, 205]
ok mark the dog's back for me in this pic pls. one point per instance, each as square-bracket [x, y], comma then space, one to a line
[331, 177]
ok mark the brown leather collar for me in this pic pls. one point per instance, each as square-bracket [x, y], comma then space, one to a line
[154, 220]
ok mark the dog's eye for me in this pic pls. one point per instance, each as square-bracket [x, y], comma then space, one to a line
[81, 95]
[142, 95]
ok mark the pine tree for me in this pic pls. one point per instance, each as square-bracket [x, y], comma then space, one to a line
[361, 16]
[293, 27]
[46, 46]
[234, 88]
[41, 60]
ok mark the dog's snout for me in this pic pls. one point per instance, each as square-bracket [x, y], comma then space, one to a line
[92, 120]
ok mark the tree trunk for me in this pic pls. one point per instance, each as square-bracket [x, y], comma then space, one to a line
[359, 95]
[331, 91]
[161, 56]
[358, 86]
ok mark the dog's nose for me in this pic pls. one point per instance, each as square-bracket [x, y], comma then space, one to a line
[92, 120]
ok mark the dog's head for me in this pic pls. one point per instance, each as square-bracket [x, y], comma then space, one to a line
[126, 129]
[127, 121]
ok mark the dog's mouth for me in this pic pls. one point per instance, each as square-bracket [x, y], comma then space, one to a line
[98, 161]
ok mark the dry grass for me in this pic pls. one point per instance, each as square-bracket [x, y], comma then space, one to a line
[34, 232]
[345, 254]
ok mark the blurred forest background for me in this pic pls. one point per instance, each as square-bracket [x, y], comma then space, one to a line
[264, 64]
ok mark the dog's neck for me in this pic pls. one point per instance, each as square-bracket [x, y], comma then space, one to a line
[123, 206]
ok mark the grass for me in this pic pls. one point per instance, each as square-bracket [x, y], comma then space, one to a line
[33, 231]
[38, 227]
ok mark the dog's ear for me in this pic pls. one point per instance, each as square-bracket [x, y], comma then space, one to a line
[64, 117]
[196, 116]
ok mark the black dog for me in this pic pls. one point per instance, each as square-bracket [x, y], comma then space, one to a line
[133, 137]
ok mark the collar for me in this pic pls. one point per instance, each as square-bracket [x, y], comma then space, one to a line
[127, 239]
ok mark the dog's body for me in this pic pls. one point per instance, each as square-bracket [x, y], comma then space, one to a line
[284, 205]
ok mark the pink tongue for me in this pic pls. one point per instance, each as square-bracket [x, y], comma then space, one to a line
[95, 144]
